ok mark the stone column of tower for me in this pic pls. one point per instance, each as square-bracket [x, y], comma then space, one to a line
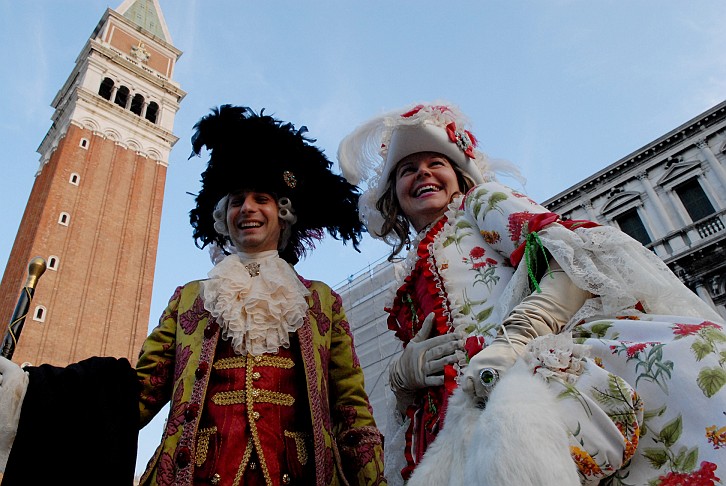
[95, 208]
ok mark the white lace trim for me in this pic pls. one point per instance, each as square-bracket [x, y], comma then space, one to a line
[456, 296]
[405, 267]
[556, 356]
[257, 313]
[615, 268]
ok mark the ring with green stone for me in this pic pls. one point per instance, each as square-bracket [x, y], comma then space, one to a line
[488, 377]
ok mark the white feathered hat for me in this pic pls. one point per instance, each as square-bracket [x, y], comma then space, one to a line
[370, 153]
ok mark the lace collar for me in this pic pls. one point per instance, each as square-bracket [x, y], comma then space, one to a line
[408, 263]
[257, 299]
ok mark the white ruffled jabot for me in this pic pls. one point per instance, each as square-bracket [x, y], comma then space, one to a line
[257, 299]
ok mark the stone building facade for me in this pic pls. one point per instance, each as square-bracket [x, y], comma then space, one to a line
[671, 196]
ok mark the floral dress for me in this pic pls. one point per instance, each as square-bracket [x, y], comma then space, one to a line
[649, 407]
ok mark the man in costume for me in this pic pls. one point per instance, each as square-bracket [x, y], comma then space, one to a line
[257, 363]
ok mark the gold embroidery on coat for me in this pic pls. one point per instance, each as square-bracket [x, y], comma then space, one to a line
[302, 451]
[243, 465]
[241, 362]
[203, 436]
[256, 395]
[276, 398]
[230, 363]
[253, 424]
[274, 361]
[233, 397]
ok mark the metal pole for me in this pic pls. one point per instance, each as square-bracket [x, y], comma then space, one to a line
[36, 268]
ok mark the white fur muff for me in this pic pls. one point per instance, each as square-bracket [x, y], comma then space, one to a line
[518, 439]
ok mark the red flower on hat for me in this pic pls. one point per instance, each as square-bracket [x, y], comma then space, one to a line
[464, 139]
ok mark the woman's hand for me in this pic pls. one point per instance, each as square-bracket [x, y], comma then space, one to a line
[545, 311]
[422, 362]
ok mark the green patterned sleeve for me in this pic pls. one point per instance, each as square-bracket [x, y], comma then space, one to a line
[359, 440]
[155, 367]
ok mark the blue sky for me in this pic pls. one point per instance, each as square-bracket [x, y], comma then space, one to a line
[561, 88]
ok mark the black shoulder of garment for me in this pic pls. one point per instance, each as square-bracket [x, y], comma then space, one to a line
[78, 425]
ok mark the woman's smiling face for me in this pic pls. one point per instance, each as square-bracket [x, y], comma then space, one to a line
[425, 184]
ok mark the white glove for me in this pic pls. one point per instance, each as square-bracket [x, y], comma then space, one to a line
[544, 312]
[422, 362]
[13, 384]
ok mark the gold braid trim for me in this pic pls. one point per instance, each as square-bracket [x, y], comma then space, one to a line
[203, 444]
[233, 397]
[263, 360]
[273, 397]
[243, 465]
[273, 361]
[250, 416]
[230, 363]
[302, 451]
[236, 397]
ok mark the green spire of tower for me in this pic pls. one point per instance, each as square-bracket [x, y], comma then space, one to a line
[147, 15]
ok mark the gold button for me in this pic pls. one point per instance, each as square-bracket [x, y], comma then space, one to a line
[286, 479]
[256, 375]
[255, 393]
[256, 415]
[253, 465]
[215, 479]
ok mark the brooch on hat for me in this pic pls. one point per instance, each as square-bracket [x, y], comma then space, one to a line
[289, 179]
[462, 138]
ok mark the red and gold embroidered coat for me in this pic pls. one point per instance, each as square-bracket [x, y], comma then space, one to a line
[176, 363]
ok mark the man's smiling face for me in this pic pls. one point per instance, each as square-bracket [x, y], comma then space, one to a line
[253, 221]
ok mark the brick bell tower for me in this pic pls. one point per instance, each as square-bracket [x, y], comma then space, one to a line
[95, 207]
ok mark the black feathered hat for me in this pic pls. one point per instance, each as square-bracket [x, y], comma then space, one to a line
[261, 153]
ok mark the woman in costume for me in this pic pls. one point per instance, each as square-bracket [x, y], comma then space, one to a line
[564, 296]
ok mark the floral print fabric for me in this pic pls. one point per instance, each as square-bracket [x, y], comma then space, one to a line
[650, 406]
[676, 364]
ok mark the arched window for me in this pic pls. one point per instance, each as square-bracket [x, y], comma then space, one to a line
[137, 104]
[64, 219]
[122, 97]
[53, 262]
[39, 313]
[83, 143]
[152, 111]
[74, 179]
[106, 88]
